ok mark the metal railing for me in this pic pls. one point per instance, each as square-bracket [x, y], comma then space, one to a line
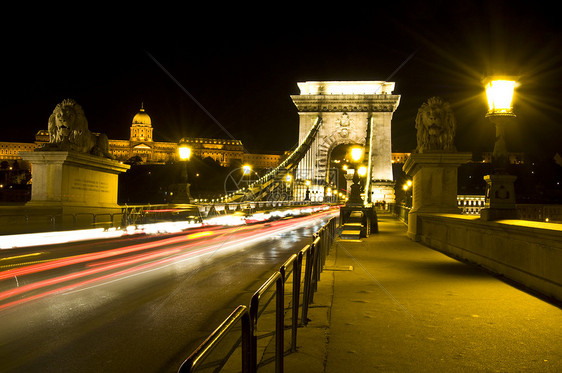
[400, 211]
[31, 222]
[244, 349]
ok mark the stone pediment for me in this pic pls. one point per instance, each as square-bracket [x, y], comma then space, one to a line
[142, 146]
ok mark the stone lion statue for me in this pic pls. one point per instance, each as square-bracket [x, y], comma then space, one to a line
[436, 126]
[68, 130]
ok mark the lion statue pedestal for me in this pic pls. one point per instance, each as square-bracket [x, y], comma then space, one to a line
[434, 182]
[73, 182]
[73, 173]
[433, 165]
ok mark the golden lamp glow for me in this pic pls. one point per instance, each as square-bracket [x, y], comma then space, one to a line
[288, 178]
[246, 169]
[184, 152]
[499, 93]
[362, 171]
[356, 153]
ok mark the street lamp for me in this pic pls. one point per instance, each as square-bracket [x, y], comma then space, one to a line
[407, 192]
[246, 170]
[500, 191]
[182, 191]
[184, 151]
[499, 92]
[362, 171]
[288, 179]
[355, 194]
[356, 154]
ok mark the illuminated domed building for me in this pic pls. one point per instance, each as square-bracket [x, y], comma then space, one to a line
[141, 128]
[142, 145]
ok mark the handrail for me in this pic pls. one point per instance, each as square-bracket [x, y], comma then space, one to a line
[314, 254]
[199, 355]
[274, 279]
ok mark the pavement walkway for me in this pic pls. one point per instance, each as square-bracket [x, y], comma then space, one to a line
[388, 304]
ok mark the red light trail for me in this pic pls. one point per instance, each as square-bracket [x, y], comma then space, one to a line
[124, 261]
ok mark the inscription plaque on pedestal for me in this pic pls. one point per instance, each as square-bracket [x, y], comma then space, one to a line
[73, 180]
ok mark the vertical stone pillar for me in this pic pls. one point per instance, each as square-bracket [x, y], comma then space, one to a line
[434, 182]
[500, 198]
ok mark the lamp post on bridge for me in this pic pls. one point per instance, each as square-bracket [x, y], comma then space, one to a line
[500, 190]
[181, 191]
[288, 182]
[407, 193]
[355, 193]
[307, 192]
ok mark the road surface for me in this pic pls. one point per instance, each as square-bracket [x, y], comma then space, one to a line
[137, 303]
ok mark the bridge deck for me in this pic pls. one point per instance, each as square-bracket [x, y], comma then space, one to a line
[390, 304]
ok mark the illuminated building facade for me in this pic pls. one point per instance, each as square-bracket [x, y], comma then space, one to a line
[141, 145]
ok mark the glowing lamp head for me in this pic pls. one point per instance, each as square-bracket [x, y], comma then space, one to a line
[184, 151]
[356, 153]
[288, 178]
[307, 182]
[246, 169]
[499, 92]
[362, 171]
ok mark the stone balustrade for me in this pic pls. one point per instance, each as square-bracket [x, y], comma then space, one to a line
[526, 252]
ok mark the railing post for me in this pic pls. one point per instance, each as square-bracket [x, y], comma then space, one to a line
[297, 264]
[279, 325]
[307, 283]
[247, 332]
[315, 273]
[253, 340]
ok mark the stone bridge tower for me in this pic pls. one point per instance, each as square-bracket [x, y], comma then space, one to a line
[352, 112]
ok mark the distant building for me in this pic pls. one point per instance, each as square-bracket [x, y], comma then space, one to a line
[9, 151]
[399, 157]
[225, 152]
[142, 146]
[471, 204]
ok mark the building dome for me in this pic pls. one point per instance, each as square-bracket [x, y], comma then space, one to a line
[142, 118]
[141, 129]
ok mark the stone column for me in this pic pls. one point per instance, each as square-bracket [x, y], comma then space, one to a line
[500, 198]
[434, 182]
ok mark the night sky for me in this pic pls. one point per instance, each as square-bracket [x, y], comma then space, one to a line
[211, 76]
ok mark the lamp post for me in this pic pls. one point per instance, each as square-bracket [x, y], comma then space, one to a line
[407, 193]
[500, 191]
[246, 170]
[355, 194]
[183, 193]
[288, 179]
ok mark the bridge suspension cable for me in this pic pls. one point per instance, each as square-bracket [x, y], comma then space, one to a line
[265, 185]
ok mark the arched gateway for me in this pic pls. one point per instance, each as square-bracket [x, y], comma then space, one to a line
[356, 112]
